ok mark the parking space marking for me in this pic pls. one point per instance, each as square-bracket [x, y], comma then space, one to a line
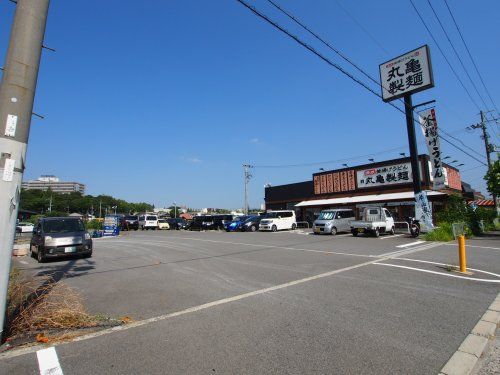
[394, 235]
[438, 273]
[444, 264]
[48, 362]
[479, 247]
[410, 244]
[223, 301]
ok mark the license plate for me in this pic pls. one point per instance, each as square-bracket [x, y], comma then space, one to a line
[71, 249]
[317, 230]
[361, 230]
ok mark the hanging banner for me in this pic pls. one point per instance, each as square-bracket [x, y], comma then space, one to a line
[423, 211]
[429, 127]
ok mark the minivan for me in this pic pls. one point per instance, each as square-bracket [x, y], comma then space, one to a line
[148, 221]
[278, 220]
[60, 236]
[333, 221]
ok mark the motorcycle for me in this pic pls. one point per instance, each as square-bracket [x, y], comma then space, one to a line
[414, 226]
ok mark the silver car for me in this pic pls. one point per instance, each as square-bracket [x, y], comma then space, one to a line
[333, 221]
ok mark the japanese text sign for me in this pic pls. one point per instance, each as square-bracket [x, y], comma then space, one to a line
[429, 127]
[406, 74]
[386, 175]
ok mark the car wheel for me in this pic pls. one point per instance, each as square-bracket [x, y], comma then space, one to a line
[32, 254]
[333, 232]
[354, 232]
[274, 228]
[253, 228]
[392, 231]
[88, 255]
[142, 228]
[376, 233]
[39, 256]
[294, 226]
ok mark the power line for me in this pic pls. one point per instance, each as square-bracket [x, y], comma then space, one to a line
[329, 62]
[470, 55]
[442, 53]
[456, 53]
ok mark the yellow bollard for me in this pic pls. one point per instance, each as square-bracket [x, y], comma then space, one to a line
[461, 253]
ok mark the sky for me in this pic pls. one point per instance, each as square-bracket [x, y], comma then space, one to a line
[163, 101]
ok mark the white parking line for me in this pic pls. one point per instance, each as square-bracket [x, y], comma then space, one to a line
[48, 362]
[479, 247]
[394, 235]
[410, 244]
[438, 273]
[444, 264]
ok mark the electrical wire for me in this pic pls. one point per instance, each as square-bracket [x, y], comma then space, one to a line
[331, 63]
[444, 56]
[470, 55]
[456, 53]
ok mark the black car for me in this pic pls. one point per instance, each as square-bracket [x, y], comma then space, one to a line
[204, 222]
[251, 224]
[177, 223]
[60, 236]
[130, 222]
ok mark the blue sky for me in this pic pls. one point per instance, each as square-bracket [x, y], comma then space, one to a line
[162, 101]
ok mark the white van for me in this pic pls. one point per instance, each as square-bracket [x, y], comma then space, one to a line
[333, 221]
[278, 220]
[148, 221]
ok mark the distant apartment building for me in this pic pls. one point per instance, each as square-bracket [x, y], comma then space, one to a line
[45, 182]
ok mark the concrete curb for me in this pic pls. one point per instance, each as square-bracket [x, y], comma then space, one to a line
[462, 362]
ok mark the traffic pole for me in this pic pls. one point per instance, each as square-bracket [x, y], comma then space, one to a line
[17, 93]
[461, 254]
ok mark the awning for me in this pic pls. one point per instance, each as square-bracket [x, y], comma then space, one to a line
[365, 198]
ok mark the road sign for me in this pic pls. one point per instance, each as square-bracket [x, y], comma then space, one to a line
[406, 74]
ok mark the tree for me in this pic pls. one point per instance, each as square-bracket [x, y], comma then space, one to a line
[492, 178]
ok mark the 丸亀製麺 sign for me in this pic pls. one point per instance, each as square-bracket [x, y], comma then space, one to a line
[429, 128]
[406, 74]
[386, 175]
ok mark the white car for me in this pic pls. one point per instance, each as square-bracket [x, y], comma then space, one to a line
[24, 227]
[148, 221]
[278, 220]
[163, 224]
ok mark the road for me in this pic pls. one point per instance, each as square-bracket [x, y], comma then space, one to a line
[271, 303]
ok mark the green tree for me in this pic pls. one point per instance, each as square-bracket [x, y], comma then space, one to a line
[492, 178]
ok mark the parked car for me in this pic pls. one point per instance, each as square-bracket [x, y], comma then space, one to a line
[278, 220]
[251, 224]
[148, 221]
[60, 236]
[376, 220]
[220, 221]
[130, 222]
[163, 224]
[177, 223]
[203, 222]
[236, 224]
[24, 227]
[333, 221]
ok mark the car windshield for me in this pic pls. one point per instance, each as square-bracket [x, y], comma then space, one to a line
[130, 217]
[151, 218]
[251, 218]
[162, 221]
[240, 218]
[326, 215]
[63, 226]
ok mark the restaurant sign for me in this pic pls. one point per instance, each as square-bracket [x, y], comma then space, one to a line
[385, 175]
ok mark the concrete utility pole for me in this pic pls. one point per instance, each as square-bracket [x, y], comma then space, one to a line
[488, 147]
[17, 93]
[247, 177]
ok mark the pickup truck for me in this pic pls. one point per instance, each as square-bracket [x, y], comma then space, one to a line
[376, 220]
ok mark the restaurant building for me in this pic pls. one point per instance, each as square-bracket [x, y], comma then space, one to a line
[388, 183]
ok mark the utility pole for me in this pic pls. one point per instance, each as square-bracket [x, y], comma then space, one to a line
[247, 176]
[487, 146]
[17, 93]
[50, 203]
[100, 209]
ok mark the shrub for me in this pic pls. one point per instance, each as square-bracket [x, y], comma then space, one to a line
[443, 232]
[94, 224]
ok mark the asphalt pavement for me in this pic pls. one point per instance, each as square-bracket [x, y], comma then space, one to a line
[271, 303]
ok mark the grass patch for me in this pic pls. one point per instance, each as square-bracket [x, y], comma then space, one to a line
[44, 309]
[442, 233]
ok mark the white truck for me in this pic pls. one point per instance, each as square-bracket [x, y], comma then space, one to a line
[376, 220]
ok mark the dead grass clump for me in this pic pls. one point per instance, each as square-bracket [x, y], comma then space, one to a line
[41, 305]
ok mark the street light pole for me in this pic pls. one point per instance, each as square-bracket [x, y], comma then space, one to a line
[17, 93]
[175, 210]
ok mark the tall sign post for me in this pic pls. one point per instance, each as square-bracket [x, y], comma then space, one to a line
[400, 78]
[17, 93]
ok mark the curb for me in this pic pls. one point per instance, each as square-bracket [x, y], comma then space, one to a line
[462, 362]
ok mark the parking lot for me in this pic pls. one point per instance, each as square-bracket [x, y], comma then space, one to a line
[285, 302]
